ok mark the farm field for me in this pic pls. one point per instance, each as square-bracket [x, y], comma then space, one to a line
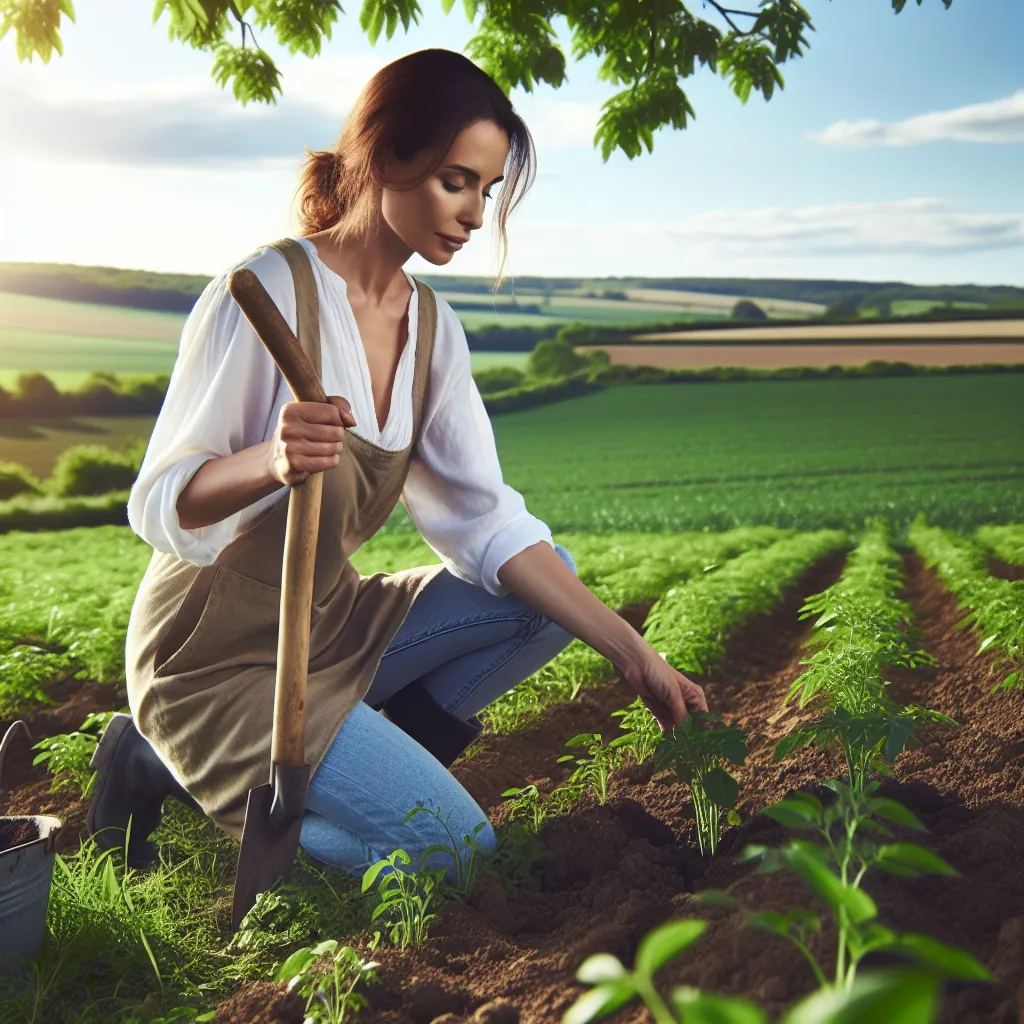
[601, 849]
[772, 354]
[959, 330]
[789, 453]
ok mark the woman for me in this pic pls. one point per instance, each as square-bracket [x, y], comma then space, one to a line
[427, 141]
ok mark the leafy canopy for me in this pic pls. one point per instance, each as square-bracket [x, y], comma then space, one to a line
[647, 45]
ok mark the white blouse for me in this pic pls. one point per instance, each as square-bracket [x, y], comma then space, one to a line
[226, 393]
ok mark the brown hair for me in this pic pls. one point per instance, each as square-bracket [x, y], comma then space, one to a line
[418, 102]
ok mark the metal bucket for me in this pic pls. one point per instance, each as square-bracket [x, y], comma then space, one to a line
[26, 872]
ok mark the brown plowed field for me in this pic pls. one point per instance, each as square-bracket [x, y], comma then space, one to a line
[926, 331]
[772, 354]
[613, 872]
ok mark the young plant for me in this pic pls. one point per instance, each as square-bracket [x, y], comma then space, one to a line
[696, 750]
[404, 898]
[67, 756]
[465, 869]
[642, 729]
[850, 841]
[593, 771]
[526, 806]
[328, 995]
[614, 986]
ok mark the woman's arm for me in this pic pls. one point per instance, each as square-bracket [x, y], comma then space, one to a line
[225, 485]
[223, 391]
[454, 491]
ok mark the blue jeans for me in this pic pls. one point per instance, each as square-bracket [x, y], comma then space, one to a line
[468, 647]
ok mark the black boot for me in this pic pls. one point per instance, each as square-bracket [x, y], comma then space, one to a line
[132, 781]
[415, 712]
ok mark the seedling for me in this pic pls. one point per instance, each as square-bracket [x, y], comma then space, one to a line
[696, 750]
[526, 806]
[67, 755]
[642, 729]
[593, 771]
[465, 869]
[833, 868]
[329, 995]
[405, 898]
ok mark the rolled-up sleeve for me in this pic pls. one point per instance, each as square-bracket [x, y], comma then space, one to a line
[454, 492]
[218, 401]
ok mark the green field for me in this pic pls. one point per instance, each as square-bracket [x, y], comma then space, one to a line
[805, 454]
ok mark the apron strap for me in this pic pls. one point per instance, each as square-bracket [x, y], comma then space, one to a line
[425, 327]
[307, 305]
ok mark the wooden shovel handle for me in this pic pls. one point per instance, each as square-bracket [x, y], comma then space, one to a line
[288, 745]
[273, 330]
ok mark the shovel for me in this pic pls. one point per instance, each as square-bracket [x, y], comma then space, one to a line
[274, 812]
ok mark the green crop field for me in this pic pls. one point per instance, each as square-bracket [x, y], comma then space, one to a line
[806, 454]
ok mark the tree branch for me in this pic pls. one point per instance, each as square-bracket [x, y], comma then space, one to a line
[725, 12]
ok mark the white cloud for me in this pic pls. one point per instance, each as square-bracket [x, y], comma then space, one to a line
[893, 231]
[996, 121]
[192, 123]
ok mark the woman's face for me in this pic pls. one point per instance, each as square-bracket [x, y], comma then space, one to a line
[452, 199]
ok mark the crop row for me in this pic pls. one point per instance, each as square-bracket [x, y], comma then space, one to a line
[996, 606]
[1005, 542]
[861, 631]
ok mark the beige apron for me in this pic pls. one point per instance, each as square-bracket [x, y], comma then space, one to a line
[201, 649]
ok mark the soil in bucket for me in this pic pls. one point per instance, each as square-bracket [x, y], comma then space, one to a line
[16, 832]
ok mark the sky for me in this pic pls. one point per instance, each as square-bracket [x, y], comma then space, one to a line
[895, 151]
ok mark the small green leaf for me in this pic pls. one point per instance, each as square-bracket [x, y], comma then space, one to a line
[665, 942]
[696, 1007]
[893, 810]
[829, 887]
[715, 898]
[599, 968]
[905, 996]
[791, 813]
[722, 789]
[911, 859]
[949, 960]
[295, 964]
[600, 1001]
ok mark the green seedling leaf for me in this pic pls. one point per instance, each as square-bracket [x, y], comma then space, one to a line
[987, 642]
[829, 887]
[599, 968]
[715, 898]
[722, 789]
[696, 1007]
[793, 813]
[295, 964]
[948, 960]
[600, 1001]
[665, 942]
[733, 817]
[904, 996]
[894, 811]
[911, 859]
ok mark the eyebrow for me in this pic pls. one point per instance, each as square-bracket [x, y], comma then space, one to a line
[472, 173]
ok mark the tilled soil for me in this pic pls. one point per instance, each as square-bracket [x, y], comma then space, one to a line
[615, 871]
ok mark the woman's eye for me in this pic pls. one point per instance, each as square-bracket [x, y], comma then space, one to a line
[456, 188]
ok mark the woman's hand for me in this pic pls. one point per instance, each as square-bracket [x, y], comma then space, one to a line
[667, 693]
[309, 438]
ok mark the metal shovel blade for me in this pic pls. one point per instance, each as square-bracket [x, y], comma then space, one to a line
[270, 836]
